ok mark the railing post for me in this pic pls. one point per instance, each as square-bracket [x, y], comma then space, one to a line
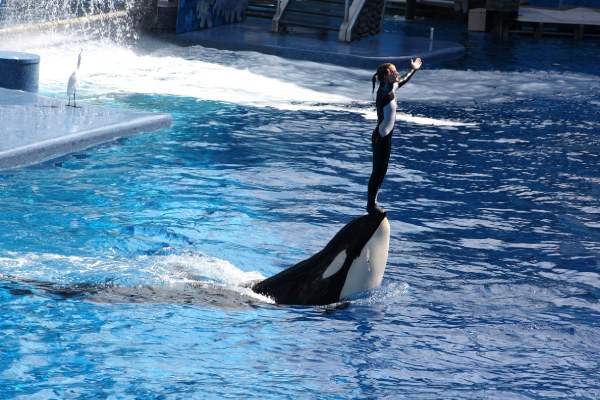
[275, 19]
[346, 11]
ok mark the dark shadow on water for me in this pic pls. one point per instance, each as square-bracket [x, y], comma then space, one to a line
[199, 293]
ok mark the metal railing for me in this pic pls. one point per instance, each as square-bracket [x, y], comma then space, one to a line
[351, 11]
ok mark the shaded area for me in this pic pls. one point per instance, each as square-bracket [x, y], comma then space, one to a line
[200, 293]
[254, 34]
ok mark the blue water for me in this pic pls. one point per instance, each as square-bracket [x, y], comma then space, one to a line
[122, 267]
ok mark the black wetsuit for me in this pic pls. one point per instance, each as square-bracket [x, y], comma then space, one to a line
[381, 139]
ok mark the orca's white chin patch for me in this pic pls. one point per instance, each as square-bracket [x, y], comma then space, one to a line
[367, 270]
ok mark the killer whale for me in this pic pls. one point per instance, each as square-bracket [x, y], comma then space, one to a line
[353, 261]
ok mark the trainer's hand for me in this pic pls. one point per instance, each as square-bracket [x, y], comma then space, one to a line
[416, 64]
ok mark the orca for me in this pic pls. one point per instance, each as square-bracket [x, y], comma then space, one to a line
[353, 261]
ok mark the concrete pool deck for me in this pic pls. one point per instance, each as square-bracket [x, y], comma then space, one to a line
[254, 34]
[36, 128]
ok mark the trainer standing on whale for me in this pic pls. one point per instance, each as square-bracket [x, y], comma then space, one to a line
[381, 139]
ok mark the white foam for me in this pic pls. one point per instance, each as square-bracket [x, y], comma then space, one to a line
[420, 120]
[177, 268]
[201, 268]
[169, 270]
[255, 79]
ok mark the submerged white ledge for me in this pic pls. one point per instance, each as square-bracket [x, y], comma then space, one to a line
[35, 128]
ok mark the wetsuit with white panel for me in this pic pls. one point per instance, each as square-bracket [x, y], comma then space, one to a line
[381, 139]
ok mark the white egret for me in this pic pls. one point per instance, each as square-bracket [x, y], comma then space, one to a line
[74, 82]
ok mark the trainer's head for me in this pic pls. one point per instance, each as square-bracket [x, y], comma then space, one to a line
[386, 72]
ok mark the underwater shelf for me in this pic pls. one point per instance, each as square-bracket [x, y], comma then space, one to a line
[36, 128]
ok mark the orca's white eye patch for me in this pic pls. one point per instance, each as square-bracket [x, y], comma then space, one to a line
[335, 265]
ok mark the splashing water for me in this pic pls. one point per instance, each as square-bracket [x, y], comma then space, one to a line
[86, 19]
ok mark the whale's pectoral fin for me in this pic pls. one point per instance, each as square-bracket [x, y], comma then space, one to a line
[353, 261]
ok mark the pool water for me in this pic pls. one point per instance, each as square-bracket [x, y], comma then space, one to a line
[124, 267]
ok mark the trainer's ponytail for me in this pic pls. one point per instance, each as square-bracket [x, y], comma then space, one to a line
[373, 81]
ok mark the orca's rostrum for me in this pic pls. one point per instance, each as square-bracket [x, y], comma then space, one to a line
[353, 261]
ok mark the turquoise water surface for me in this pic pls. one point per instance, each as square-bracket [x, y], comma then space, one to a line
[123, 267]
